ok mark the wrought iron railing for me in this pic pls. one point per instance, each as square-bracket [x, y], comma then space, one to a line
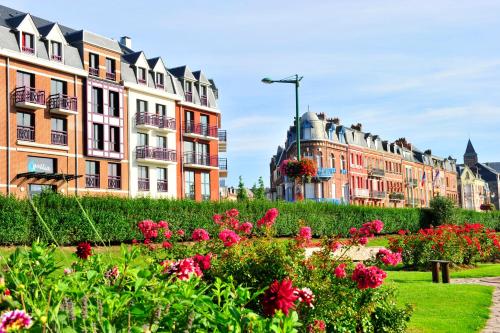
[114, 182]
[59, 138]
[60, 101]
[26, 133]
[111, 76]
[29, 95]
[162, 154]
[143, 184]
[92, 181]
[190, 127]
[94, 71]
[201, 159]
[162, 185]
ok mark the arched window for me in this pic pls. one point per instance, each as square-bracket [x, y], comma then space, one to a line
[342, 162]
[332, 160]
[306, 130]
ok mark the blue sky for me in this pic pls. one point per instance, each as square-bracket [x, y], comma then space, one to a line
[426, 70]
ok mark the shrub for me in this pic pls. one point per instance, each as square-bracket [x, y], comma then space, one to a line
[441, 210]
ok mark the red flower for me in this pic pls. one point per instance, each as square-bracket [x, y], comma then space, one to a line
[149, 229]
[229, 237]
[180, 233]
[162, 225]
[246, 228]
[204, 262]
[368, 277]
[200, 235]
[167, 245]
[388, 257]
[217, 219]
[232, 213]
[84, 250]
[306, 296]
[167, 234]
[279, 296]
[6, 292]
[269, 218]
[340, 271]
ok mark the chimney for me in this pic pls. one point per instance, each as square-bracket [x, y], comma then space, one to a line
[127, 41]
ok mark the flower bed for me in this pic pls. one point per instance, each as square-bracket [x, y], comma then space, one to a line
[236, 279]
[461, 245]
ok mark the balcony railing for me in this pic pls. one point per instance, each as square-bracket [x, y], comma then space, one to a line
[377, 194]
[412, 182]
[111, 76]
[60, 101]
[396, 196]
[376, 172]
[59, 138]
[222, 135]
[94, 71]
[222, 163]
[151, 119]
[92, 181]
[26, 133]
[325, 173]
[189, 96]
[143, 184]
[29, 95]
[160, 86]
[162, 185]
[29, 50]
[141, 81]
[204, 100]
[56, 57]
[191, 127]
[114, 182]
[201, 159]
[361, 192]
[162, 154]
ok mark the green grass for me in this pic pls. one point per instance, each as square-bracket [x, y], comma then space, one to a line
[379, 241]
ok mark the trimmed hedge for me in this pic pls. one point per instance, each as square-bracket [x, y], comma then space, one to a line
[116, 218]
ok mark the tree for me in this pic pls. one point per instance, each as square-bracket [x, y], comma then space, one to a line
[441, 210]
[260, 191]
[241, 193]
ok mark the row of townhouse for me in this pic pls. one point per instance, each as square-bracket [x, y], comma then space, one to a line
[84, 114]
[360, 168]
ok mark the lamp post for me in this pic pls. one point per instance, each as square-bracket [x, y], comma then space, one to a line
[295, 79]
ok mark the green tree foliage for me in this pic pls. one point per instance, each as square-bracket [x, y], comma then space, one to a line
[241, 192]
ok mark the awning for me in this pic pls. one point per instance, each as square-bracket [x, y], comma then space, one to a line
[45, 175]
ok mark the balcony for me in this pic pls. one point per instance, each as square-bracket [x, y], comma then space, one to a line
[26, 133]
[114, 182]
[343, 171]
[155, 155]
[361, 193]
[56, 57]
[202, 161]
[141, 81]
[147, 121]
[222, 167]
[396, 196]
[188, 96]
[376, 172]
[29, 98]
[111, 76]
[162, 185]
[92, 181]
[28, 50]
[411, 182]
[325, 173]
[222, 141]
[193, 129]
[59, 138]
[63, 104]
[377, 195]
[94, 71]
[204, 101]
[143, 184]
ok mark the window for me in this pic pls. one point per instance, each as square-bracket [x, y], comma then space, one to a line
[189, 121]
[159, 80]
[110, 66]
[92, 179]
[97, 100]
[143, 175]
[161, 110]
[59, 134]
[114, 104]
[204, 124]
[25, 119]
[189, 87]
[189, 184]
[188, 94]
[114, 139]
[306, 131]
[24, 79]
[205, 186]
[114, 173]
[28, 43]
[319, 160]
[25, 126]
[56, 50]
[98, 136]
[142, 139]
[141, 75]
[57, 87]
[94, 64]
[342, 162]
[142, 106]
[161, 142]
[162, 180]
[332, 161]
[203, 91]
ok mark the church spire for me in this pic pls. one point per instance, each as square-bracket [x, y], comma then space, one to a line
[470, 156]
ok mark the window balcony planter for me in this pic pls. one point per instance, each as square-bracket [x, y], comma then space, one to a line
[376, 172]
[143, 184]
[201, 161]
[29, 98]
[377, 195]
[199, 130]
[154, 155]
[162, 185]
[114, 182]
[111, 76]
[59, 138]
[92, 181]
[63, 104]
[26, 133]
[94, 71]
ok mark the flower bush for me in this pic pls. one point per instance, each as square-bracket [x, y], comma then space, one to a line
[461, 245]
[306, 167]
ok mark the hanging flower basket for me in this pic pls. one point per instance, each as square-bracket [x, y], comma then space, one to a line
[305, 168]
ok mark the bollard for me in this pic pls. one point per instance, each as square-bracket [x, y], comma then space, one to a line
[435, 271]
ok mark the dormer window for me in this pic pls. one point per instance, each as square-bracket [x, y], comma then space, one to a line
[203, 96]
[27, 43]
[93, 64]
[141, 75]
[110, 69]
[160, 80]
[188, 86]
[56, 51]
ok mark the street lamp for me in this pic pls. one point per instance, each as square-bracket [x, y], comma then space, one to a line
[295, 79]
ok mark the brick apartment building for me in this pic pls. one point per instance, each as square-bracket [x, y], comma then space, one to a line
[85, 114]
[360, 168]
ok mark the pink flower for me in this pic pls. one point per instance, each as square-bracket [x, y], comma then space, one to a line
[306, 296]
[340, 271]
[279, 296]
[246, 228]
[217, 219]
[14, 321]
[363, 240]
[353, 231]
[167, 234]
[269, 218]
[232, 213]
[204, 262]
[229, 237]
[112, 274]
[368, 277]
[149, 229]
[180, 233]
[162, 225]
[335, 246]
[316, 327]
[200, 235]
[305, 233]
[182, 269]
[166, 245]
[68, 271]
[388, 257]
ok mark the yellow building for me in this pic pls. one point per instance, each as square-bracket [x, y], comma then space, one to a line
[473, 190]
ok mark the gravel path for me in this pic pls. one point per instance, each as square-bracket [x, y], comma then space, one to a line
[493, 324]
[356, 253]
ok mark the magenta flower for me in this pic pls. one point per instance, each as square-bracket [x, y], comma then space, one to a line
[200, 235]
[246, 228]
[229, 237]
[15, 320]
[279, 296]
[368, 277]
[340, 271]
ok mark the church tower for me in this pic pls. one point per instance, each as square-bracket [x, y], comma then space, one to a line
[470, 156]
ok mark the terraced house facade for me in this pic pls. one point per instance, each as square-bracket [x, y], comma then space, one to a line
[85, 114]
[360, 168]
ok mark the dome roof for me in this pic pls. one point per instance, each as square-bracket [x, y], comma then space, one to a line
[317, 126]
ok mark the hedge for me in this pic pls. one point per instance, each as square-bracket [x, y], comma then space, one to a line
[116, 218]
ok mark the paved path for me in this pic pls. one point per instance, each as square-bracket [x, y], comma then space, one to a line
[356, 253]
[493, 324]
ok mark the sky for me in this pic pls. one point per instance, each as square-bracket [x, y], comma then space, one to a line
[425, 70]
